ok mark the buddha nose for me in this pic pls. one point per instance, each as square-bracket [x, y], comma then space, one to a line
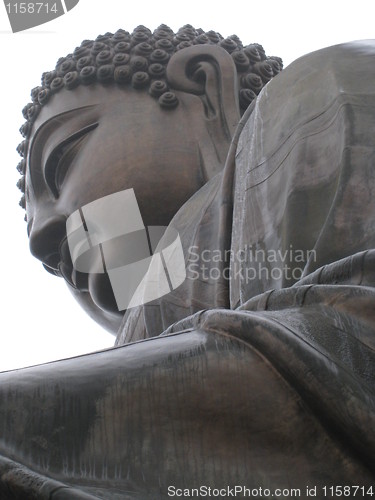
[45, 237]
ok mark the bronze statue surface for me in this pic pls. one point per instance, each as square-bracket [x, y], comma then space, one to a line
[256, 368]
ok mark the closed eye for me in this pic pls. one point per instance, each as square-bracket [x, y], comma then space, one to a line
[61, 158]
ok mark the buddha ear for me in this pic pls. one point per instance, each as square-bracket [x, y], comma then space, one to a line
[208, 71]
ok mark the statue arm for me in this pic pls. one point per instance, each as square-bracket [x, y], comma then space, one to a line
[227, 389]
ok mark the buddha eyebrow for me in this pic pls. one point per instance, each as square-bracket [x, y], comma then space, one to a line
[55, 121]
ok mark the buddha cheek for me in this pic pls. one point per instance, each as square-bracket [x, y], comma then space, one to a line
[101, 292]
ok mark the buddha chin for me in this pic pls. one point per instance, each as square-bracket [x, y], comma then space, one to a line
[100, 289]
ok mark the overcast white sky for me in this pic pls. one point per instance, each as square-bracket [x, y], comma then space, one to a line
[40, 321]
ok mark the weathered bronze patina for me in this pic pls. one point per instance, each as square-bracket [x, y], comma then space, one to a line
[258, 370]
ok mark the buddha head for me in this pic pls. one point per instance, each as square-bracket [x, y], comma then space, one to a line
[151, 114]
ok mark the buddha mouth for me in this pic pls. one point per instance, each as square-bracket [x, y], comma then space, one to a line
[96, 284]
[65, 269]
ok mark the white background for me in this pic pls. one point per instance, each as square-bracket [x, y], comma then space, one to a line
[40, 320]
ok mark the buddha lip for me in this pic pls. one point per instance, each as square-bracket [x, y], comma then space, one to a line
[51, 262]
[66, 273]
[80, 280]
[64, 252]
[76, 279]
[52, 270]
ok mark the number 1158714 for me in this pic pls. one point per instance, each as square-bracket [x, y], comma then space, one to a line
[31, 8]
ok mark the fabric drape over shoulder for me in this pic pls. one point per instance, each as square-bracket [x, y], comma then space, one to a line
[296, 192]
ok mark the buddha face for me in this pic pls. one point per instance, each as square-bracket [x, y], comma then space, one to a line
[96, 141]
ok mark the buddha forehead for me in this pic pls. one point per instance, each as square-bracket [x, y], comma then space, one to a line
[119, 113]
[101, 103]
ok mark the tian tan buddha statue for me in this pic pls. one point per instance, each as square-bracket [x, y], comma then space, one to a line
[218, 215]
